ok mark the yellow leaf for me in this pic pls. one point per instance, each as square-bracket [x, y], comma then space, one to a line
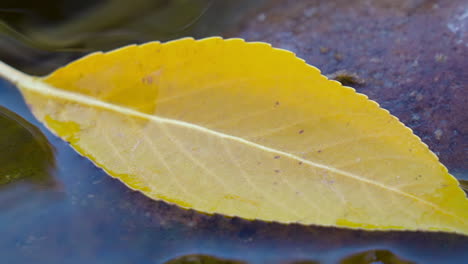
[243, 129]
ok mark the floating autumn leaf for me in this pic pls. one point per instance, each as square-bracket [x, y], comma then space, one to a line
[243, 129]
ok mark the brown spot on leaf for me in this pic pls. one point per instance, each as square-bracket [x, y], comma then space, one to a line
[147, 79]
[151, 77]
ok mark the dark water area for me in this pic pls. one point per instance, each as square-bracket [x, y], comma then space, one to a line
[57, 207]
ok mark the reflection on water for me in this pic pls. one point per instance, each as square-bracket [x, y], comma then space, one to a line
[374, 256]
[202, 259]
[464, 185]
[38, 38]
[25, 152]
[301, 262]
[87, 30]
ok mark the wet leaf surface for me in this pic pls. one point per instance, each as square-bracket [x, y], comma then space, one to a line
[141, 120]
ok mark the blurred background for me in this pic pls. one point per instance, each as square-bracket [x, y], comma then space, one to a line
[39, 36]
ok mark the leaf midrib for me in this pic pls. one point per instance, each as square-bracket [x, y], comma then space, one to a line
[38, 85]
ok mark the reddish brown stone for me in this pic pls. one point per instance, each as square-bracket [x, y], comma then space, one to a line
[411, 55]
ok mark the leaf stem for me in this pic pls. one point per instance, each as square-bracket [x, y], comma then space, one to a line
[13, 75]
